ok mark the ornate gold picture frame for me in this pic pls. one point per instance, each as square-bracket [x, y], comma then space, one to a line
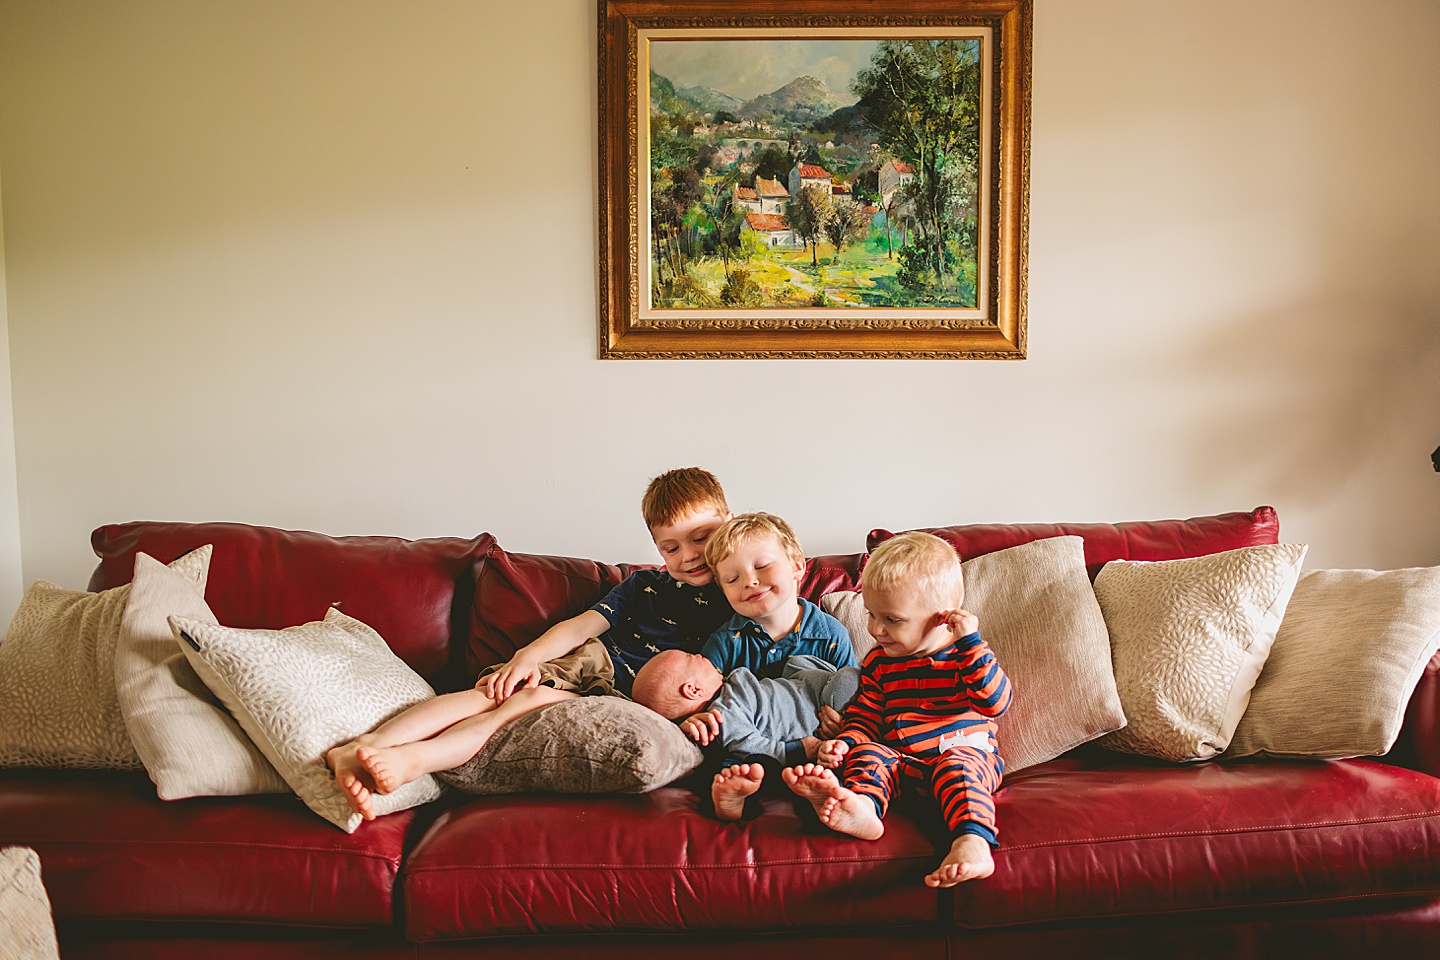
[814, 178]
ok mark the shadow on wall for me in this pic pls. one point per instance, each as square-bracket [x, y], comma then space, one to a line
[1332, 403]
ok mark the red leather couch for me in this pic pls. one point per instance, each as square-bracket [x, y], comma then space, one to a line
[1102, 855]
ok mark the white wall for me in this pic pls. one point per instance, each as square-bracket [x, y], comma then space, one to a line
[12, 584]
[330, 264]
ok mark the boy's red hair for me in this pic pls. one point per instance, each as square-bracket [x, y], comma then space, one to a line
[675, 493]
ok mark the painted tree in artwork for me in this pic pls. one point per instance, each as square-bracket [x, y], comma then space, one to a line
[923, 99]
[807, 214]
[847, 222]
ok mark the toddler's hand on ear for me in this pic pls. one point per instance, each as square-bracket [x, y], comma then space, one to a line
[962, 623]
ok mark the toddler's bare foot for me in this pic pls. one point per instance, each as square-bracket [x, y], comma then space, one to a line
[732, 785]
[392, 767]
[352, 778]
[839, 808]
[969, 859]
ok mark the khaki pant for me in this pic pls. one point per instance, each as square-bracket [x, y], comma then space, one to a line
[586, 670]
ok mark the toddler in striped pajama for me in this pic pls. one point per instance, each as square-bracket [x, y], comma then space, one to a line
[924, 718]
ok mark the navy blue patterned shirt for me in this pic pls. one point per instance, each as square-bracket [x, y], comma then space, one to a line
[744, 643]
[651, 611]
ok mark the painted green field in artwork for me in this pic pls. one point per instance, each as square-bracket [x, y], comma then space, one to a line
[858, 277]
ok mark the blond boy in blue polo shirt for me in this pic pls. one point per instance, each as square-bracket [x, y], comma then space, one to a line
[758, 563]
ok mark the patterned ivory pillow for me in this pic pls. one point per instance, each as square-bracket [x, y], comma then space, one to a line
[300, 691]
[1039, 616]
[58, 705]
[1189, 638]
[190, 745]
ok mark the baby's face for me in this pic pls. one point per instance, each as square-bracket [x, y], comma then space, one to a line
[675, 683]
[706, 677]
[759, 578]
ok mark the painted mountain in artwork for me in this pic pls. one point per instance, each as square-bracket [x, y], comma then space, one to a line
[800, 101]
[709, 100]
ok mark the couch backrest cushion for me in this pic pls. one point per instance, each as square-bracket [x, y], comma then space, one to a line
[831, 573]
[518, 596]
[414, 593]
[1135, 540]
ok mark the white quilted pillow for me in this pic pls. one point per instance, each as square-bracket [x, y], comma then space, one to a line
[1189, 638]
[300, 691]
[58, 706]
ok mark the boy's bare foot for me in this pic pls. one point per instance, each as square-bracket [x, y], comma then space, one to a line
[351, 777]
[969, 859]
[732, 785]
[839, 808]
[392, 767]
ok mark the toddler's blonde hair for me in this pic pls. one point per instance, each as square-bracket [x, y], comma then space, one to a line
[747, 527]
[675, 493]
[921, 560]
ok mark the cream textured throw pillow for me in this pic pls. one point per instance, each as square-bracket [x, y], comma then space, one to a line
[1039, 616]
[1349, 653]
[848, 606]
[58, 706]
[300, 691]
[1189, 638]
[190, 746]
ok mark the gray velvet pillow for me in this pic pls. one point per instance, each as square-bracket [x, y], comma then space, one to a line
[585, 745]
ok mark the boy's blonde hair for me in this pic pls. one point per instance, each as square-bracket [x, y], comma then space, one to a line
[921, 560]
[675, 493]
[746, 527]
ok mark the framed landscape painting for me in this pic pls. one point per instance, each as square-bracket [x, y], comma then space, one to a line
[814, 178]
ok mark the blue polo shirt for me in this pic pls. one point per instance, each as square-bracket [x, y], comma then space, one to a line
[742, 642]
[651, 611]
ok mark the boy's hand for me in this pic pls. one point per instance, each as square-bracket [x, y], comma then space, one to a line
[511, 677]
[831, 753]
[702, 727]
[830, 723]
[962, 623]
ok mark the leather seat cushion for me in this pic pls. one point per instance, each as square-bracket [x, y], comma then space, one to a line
[1103, 837]
[657, 862]
[110, 849]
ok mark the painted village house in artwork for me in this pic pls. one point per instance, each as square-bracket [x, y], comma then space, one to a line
[819, 191]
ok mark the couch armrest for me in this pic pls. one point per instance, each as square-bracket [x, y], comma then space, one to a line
[1418, 745]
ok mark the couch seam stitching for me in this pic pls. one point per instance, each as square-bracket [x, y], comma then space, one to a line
[1230, 831]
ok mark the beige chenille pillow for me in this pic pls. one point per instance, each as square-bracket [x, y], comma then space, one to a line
[1350, 651]
[1038, 614]
[1189, 638]
[300, 691]
[58, 705]
[582, 745]
[190, 745]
